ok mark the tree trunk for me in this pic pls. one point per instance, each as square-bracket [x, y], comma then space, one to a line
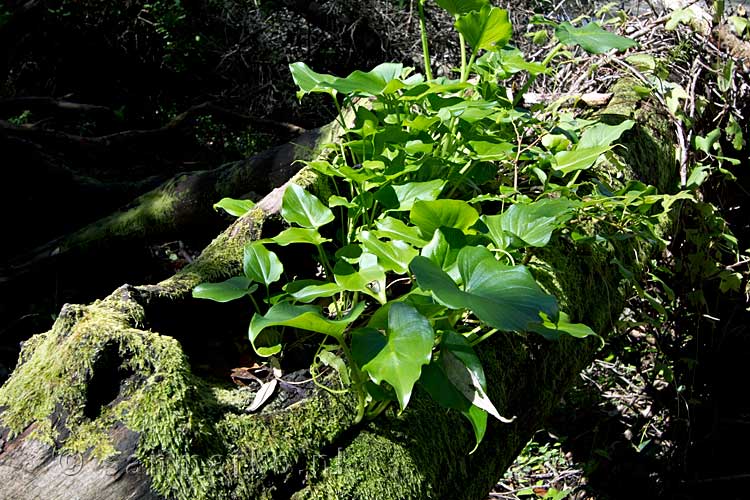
[120, 398]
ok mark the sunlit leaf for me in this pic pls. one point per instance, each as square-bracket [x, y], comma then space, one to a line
[531, 223]
[397, 229]
[552, 331]
[408, 346]
[430, 215]
[299, 235]
[370, 278]
[402, 196]
[302, 208]
[505, 297]
[309, 81]
[260, 264]
[267, 341]
[601, 134]
[485, 28]
[393, 255]
[231, 289]
[578, 159]
[592, 38]
[238, 208]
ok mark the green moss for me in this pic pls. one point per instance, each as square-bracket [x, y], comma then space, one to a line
[193, 437]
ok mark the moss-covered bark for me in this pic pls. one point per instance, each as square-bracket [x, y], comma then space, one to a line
[103, 386]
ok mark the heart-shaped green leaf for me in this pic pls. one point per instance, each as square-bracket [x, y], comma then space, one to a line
[231, 289]
[238, 208]
[439, 387]
[602, 134]
[430, 215]
[504, 297]
[302, 208]
[443, 249]
[485, 28]
[370, 278]
[313, 292]
[552, 331]
[396, 229]
[382, 79]
[299, 235]
[393, 255]
[531, 223]
[267, 341]
[592, 38]
[260, 264]
[402, 196]
[407, 347]
[456, 380]
[578, 159]
[309, 81]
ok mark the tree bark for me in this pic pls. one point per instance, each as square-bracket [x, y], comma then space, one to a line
[118, 388]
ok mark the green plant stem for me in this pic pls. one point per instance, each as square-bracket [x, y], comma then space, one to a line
[255, 304]
[467, 70]
[425, 46]
[379, 408]
[462, 45]
[359, 383]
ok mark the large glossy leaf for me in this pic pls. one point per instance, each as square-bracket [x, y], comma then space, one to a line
[508, 61]
[402, 196]
[309, 81]
[457, 381]
[489, 151]
[231, 289]
[485, 28]
[504, 297]
[507, 297]
[260, 264]
[393, 255]
[302, 208]
[267, 341]
[381, 80]
[533, 223]
[592, 38]
[552, 331]
[468, 111]
[456, 7]
[578, 159]
[407, 347]
[601, 134]
[443, 249]
[370, 278]
[397, 229]
[313, 292]
[299, 235]
[439, 387]
[234, 207]
[430, 215]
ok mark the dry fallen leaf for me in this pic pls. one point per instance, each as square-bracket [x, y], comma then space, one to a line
[264, 393]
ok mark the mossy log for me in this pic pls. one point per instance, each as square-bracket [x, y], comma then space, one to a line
[111, 403]
[178, 206]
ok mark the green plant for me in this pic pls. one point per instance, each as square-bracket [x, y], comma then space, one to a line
[443, 192]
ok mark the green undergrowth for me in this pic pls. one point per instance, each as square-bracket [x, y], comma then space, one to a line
[443, 192]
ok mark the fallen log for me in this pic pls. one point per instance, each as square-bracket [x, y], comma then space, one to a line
[181, 204]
